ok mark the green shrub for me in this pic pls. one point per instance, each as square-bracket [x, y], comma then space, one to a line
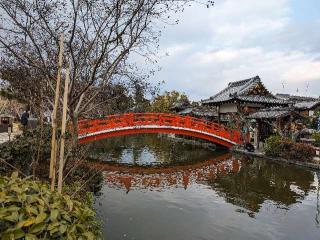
[29, 210]
[287, 149]
[316, 137]
[21, 151]
[272, 146]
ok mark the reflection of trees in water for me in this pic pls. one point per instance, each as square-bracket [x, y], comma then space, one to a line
[163, 150]
[259, 180]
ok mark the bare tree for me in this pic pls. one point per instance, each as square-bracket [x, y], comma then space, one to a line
[99, 36]
[26, 86]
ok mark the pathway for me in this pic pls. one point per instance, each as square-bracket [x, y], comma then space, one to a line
[4, 137]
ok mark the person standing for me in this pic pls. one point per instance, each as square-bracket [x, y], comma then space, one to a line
[24, 119]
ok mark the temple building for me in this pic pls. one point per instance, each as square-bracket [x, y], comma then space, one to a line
[250, 107]
[266, 121]
[294, 98]
[284, 120]
[245, 97]
[306, 106]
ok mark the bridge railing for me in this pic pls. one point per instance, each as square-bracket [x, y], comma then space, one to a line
[157, 119]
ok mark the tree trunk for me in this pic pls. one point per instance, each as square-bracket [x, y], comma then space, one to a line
[38, 156]
[74, 133]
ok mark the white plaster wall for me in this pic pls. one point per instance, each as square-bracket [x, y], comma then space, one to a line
[311, 113]
[228, 108]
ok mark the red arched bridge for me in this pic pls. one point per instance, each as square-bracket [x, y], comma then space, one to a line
[135, 123]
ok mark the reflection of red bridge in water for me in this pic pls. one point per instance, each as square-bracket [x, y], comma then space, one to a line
[158, 178]
[134, 123]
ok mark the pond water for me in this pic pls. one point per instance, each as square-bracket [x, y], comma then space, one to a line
[156, 188]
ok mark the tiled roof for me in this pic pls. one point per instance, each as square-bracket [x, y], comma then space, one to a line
[272, 113]
[185, 111]
[294, 98]
[180, 105]
[261, 99]
[283, 96]
[239, 91]
[233, 89]
[199, 111]
[306, 105]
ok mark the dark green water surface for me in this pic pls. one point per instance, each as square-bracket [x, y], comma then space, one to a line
[158, 189]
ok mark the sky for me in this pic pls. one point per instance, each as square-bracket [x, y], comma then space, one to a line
[278, 40]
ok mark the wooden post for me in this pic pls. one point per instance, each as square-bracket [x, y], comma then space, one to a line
[257, 135]
[54, 114]
[53, 179]
[63, 129]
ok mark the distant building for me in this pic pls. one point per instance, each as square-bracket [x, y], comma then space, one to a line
[306, 106]
[245, 96]
[203, 112]
[307, 109]
[268, 120]
[180, 106]
[5, 122]
[294, 98]
[285, 120]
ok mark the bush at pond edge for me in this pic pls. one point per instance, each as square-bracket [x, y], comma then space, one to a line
[29, 210]
[316, 137]
[276, 146]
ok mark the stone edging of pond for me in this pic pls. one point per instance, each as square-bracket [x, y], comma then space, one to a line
[282, 160]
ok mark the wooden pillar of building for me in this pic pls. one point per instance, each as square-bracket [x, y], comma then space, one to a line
[257, 135]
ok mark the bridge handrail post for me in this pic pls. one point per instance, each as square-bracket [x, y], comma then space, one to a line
[129, 119]
[187, 121]
[160, 119]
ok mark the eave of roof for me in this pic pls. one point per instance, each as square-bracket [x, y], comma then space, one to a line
[307, 105]
[295, 98]
[250, 99]
[185, 111]
[199, 111]
[272, 113]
